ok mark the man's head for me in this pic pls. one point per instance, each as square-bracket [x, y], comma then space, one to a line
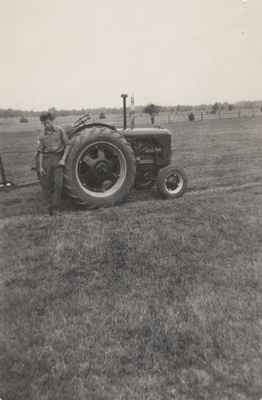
[47, 119]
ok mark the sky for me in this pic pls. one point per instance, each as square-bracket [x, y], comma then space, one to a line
[85, 53]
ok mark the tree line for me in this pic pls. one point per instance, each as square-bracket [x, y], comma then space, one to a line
[149, 109]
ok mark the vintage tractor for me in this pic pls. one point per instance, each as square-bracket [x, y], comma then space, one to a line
[104, 163]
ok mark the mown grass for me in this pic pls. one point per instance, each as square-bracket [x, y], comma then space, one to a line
[151, 300]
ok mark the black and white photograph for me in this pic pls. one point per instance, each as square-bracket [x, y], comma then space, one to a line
[131, 200]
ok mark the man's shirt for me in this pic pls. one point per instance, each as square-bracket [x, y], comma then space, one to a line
[52, 140]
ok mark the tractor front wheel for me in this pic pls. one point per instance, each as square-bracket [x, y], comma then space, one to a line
[171, 182]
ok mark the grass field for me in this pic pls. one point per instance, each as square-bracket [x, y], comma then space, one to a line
[213, 152]
[151, 300]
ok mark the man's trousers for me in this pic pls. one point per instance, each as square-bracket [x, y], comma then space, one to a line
[52, 180]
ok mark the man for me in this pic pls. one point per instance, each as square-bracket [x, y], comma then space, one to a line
[53, 150]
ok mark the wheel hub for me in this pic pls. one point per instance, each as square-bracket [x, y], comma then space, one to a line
[172, 182]
[103, 168]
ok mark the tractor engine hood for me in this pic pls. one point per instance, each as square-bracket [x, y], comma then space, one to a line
[159, 138]
[144, 132]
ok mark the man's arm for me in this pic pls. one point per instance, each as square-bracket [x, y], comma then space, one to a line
[67, 147]
[65, 154]
[40, 151]
[41, 169]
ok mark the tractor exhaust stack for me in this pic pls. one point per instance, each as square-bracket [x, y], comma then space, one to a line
[124, 96]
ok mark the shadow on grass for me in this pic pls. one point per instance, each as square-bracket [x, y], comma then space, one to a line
[24, 201]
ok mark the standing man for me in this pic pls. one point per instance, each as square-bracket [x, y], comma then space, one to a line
[53, 149]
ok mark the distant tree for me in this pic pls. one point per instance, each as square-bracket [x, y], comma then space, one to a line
[23, 119]
[215, 108]
[52, 110]
[102, 115]
[181, 108]
[230, 107]
[151, 110]
[191, 117]
[10, 113]
[224, 106]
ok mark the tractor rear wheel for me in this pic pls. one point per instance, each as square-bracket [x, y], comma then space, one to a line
[100, 168]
